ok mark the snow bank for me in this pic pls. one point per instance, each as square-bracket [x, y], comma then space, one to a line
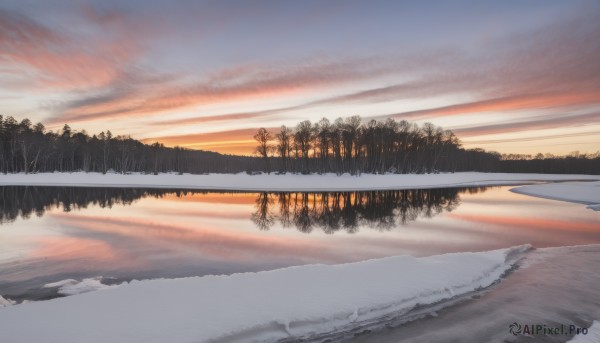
[72, 287]
[265, 306]
[6, 302]
[592, 336]
[580, 192]
[287, 182]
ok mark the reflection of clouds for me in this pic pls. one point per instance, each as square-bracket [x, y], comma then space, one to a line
[214, 198]
[225, 215]
[201, 240]
[70, 248]
[530, 223]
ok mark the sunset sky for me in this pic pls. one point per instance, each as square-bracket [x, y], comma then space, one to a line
[509, 76]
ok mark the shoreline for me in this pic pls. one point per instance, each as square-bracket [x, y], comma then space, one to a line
[285, 182]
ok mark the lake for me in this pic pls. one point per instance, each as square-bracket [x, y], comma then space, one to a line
[48, 234]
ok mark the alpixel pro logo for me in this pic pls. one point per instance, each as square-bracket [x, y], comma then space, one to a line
[515, 328]
[542, 329]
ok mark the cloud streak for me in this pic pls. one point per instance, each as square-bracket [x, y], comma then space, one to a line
[513, 103]
[537, 138]
[230, 85]
[551, 68]
[55, 58]
[539, 123]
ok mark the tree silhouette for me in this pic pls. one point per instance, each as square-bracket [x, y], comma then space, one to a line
[263, 149]
[342, 146]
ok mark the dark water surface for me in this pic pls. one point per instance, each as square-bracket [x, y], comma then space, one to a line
[48, 234]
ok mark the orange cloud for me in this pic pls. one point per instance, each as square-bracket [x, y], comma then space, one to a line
[227, 142]
[209, 119]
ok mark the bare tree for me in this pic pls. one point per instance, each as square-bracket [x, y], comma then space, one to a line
[284, 147]
[264, 148]
[303, 137]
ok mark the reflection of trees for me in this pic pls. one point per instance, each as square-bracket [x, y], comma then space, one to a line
[330, 212]
[381, 210]
[23, 201]
[263, 218]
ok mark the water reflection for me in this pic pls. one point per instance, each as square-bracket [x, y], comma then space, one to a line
[22, 201]
[330, 212]
[334, 211]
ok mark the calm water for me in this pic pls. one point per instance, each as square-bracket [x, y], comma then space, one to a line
[49, 234]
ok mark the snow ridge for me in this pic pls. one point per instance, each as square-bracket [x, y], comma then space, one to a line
[295, 302]
[72, 287]
[6, 302]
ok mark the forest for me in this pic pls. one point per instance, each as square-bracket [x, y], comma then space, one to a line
[348, 145]
[353, 146]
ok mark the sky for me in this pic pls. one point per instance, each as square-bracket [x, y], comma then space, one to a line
[508, 76]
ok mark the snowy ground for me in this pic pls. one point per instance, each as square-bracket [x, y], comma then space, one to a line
[581, 192]
[264, 306]
[288, 182]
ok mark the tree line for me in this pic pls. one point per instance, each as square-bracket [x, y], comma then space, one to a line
[343, 146]
[353, 146]
[30, 148]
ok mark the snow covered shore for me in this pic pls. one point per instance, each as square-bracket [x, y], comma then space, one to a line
[265, 306]
[287, 182]
[580, 192]
[553, 286]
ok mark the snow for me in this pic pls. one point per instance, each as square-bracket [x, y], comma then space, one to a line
[580, 192]
[72, 287]
[5, 302]
[592, 336]
[287, 182]
[264, 306]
